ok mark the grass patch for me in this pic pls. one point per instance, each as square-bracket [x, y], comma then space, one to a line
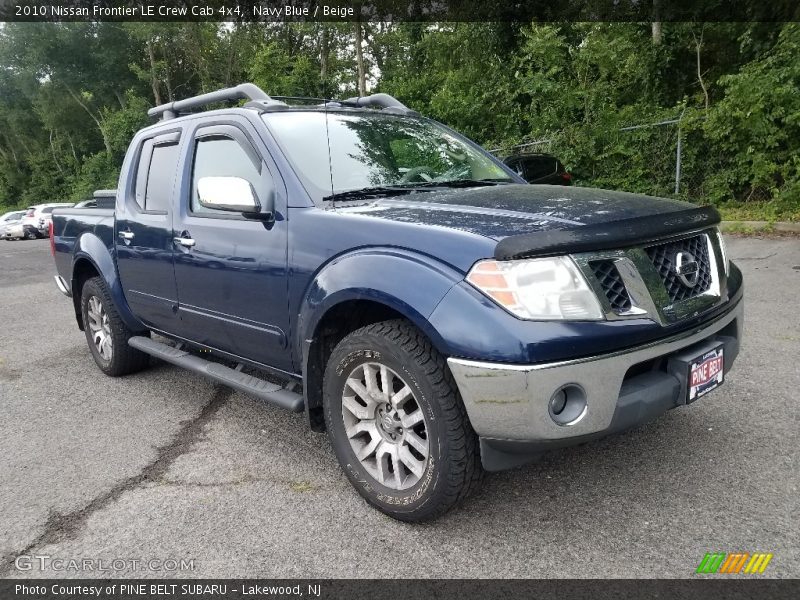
[302, 486]
[759, 211]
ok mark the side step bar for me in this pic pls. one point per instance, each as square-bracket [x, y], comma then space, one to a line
[269, 392]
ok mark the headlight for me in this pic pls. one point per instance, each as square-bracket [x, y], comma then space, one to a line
[724, 253]
[537, 288]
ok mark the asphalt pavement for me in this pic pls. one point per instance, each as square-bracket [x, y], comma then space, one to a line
[164, 465]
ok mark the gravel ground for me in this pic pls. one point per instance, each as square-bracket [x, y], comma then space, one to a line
[166, 465]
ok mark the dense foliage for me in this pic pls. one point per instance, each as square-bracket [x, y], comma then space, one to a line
[71, 95]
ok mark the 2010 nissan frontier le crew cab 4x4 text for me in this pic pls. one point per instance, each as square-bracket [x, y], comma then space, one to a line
[437, 316]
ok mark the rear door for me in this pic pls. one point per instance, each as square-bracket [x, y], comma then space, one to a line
[144, 231]
[232, 281]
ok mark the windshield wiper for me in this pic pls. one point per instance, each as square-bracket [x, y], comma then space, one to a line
[456, 183]
[410, 188]
[374, 192]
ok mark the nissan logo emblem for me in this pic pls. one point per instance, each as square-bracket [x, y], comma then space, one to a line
[687, 269]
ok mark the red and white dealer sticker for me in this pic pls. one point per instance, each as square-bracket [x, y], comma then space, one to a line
[706, 372]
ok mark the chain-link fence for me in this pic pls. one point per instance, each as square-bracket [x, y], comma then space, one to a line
[661, 158]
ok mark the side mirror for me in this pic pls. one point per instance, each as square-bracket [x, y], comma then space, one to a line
[233, 194]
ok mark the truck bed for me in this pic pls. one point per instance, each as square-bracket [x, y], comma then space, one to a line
[72, 224]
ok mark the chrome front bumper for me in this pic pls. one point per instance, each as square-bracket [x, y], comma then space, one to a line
[510, 402]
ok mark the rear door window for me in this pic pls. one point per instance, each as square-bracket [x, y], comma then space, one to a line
[160, 178]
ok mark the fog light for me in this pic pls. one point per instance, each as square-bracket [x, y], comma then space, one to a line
[558, 402]
[568, 404]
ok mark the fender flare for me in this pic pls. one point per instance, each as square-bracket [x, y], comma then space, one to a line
[409, 283]
[90, 248]
[412, 284]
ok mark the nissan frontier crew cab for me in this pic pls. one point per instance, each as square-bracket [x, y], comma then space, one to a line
[410, 294]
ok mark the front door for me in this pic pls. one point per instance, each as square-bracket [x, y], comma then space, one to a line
[231, 273]
[144, 232]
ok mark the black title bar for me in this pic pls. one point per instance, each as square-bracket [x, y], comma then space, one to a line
[700, 588]
[271, 11]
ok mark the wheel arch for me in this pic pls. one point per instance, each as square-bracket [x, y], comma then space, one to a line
[92, 258]
[360, 289]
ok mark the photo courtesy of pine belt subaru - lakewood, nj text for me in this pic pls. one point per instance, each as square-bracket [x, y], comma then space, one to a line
[408, 292]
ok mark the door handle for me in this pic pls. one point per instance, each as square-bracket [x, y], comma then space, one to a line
[126, 235]
[188, 242]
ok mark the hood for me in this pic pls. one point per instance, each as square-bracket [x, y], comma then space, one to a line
[502, 211]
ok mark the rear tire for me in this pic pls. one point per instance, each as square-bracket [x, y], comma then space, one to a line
[106, 333]
[30, 235]
[397, 423]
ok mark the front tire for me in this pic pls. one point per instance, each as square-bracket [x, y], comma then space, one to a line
[397, 424]
[106, 333]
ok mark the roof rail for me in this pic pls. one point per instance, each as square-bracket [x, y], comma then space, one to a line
[380, 100]
[105, 193]
[244, 91]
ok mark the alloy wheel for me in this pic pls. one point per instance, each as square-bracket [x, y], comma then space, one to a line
[385, 426]
[100, 328]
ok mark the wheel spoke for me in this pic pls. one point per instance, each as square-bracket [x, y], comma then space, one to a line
[417, 442]
[400, 397]
[370, 380]
[409, 420]
[94, 320]
[417, 467]
[361, 427]
[358, 411]
[398, 476]
[386, 383]
[369, 448]
[382, 463]
[355, 385]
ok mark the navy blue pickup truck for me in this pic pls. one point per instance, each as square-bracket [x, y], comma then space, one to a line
[407, 291]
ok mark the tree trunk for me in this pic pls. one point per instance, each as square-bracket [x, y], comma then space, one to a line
[153, 74]
[55, 155]
[698, 44]
[655, 26]
[324, 59]
[362, 75]
[97, 121]
[11, 148]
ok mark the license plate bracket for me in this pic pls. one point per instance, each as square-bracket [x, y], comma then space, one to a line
[682, 365]
[706, 373]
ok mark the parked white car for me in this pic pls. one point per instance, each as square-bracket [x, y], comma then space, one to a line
[36, 221]
[11, 225]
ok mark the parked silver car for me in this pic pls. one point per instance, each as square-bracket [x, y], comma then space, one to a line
[11, 225]
[36, 222]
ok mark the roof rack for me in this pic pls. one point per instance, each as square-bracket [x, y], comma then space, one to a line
[258, 99]
[245, 91]
[381, 100]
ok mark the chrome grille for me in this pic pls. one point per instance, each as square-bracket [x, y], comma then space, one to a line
[611, 282]
[663, 259]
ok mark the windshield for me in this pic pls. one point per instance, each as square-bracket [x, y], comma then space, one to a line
[376, 150]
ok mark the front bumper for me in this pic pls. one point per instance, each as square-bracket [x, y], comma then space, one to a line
[508, 404]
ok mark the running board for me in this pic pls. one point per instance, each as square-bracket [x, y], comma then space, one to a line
[264, 390]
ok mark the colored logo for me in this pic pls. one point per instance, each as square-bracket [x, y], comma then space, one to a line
[736, 562]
